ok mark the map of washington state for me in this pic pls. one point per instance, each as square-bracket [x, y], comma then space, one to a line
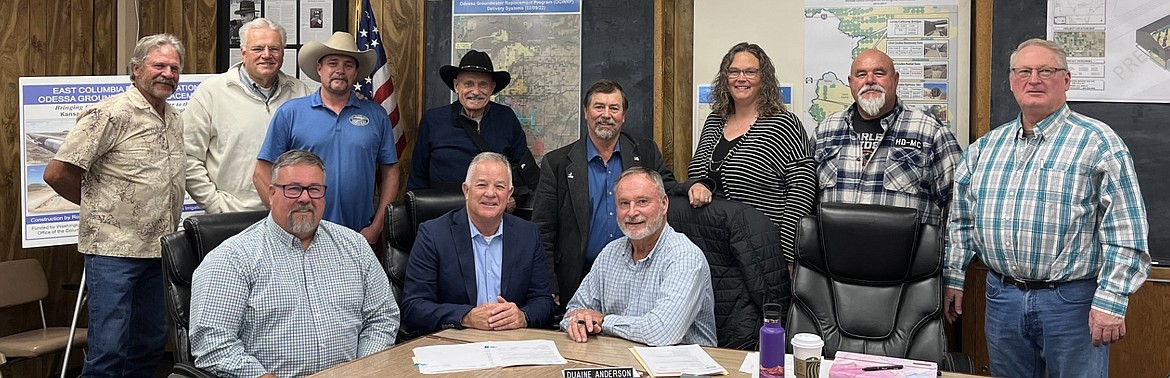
[840, 34]
[832, 95]
[543, 54]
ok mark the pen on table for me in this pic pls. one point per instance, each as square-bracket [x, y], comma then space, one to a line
[881, 367]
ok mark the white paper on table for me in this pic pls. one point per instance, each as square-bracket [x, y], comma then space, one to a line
[678, 359]
[435, 359]
[751, 365]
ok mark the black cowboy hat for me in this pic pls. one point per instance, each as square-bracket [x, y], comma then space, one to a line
[475, 61]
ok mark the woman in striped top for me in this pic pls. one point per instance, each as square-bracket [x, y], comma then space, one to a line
[752, 149]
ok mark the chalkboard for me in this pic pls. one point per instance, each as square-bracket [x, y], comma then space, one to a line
[1144, 127]
[617, 43]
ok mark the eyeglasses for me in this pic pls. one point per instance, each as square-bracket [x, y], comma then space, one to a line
[293, 191]
[274, 50]
[734, 73]
[1044, 73]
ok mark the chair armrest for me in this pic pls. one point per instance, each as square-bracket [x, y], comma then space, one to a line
[186, 370]
[958, 362]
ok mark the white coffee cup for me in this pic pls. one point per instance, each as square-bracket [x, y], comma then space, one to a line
[805, 345]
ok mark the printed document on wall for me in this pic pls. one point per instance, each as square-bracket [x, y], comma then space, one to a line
[1118, 51]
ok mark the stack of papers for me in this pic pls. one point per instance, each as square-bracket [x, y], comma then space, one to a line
[673, 361]
[436, 359]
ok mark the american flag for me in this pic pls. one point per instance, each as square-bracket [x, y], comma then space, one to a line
[378, 86]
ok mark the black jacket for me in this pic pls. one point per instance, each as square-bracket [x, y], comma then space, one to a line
[747, 266]
[562, 208]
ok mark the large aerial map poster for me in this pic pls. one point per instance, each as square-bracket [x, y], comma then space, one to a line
[921, 39]
[539, 43]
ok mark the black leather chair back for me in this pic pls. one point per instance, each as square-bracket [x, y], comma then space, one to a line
[402, 221]
[742, 247]
[868, 279]
[182, 252]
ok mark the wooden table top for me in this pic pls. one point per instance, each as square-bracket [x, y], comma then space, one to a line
[600, 351]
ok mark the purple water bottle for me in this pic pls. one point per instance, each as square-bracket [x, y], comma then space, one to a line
[772, 343]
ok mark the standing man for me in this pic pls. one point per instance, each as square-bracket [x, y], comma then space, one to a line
[123, 163]
[478, 267]
[574, 201]
[352, 136]
[879, 151]
[1050, 202]
[228, 117]
[652, 286]
[290, 295]
[444, 147]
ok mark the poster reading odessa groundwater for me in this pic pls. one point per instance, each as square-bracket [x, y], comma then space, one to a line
[48, 110]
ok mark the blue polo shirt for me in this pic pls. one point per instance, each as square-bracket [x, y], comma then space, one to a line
[603, 224]
[352, 144]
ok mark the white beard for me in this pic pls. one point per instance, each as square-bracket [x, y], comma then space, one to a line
[871, 106]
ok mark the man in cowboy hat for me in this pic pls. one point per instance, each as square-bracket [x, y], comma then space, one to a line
[353, 136]
[445, 145]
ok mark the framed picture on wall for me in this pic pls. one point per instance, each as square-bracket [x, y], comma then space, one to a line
[303, 21]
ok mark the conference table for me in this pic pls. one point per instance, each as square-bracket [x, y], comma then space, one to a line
[600, 351]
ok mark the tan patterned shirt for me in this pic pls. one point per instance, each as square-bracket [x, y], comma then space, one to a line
[132, 189]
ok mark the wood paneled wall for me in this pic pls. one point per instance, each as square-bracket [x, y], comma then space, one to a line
[44, 38]
[673, 34]
[192, 21]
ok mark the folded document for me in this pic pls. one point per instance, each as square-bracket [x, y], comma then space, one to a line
[435, 359]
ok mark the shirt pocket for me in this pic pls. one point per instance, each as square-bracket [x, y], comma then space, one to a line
[905, 170]
[827, 165]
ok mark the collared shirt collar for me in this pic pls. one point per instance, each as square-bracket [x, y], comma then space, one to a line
[1056, 119]
[284, 237]
[315, 100]
[475, 230]
[591, 150]
[246, 79]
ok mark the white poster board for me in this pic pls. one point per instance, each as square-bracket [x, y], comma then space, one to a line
[48, 110]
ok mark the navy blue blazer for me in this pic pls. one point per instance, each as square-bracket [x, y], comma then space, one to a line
[440, 276]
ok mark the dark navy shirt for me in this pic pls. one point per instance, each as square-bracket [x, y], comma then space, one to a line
[603, 224]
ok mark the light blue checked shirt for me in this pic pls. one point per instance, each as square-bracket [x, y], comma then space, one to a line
[1062, 206]
[663, 299]
[260, 303]
[912, 167]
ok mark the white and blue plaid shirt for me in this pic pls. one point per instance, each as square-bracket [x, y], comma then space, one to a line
[260, 303]
[1061, 206]
[663, 299]
[911, 167]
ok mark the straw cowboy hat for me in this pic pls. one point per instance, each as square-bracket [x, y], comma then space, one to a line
[475, 61]
[341, 43]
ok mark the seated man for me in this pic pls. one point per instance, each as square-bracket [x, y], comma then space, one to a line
[290, 295]
[478, 267]
[653, 285]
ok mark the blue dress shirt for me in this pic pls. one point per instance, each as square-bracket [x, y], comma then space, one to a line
[603, 226]
[489, 251]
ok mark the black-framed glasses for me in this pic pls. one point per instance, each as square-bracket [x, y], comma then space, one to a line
[1044, 73]
[734, 73]
[293, 191]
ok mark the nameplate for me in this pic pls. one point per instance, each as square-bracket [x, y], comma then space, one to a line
[613, 372]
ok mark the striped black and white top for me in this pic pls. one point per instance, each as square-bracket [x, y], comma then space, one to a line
[770, 169]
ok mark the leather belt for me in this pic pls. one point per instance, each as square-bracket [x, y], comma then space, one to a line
[1025, 285]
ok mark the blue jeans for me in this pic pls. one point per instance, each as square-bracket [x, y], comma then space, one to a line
[127, 317]
[1033, 332]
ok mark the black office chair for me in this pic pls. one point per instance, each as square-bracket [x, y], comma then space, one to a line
[182, 252]
[742, 247]
[402, 221]
[868, 279]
